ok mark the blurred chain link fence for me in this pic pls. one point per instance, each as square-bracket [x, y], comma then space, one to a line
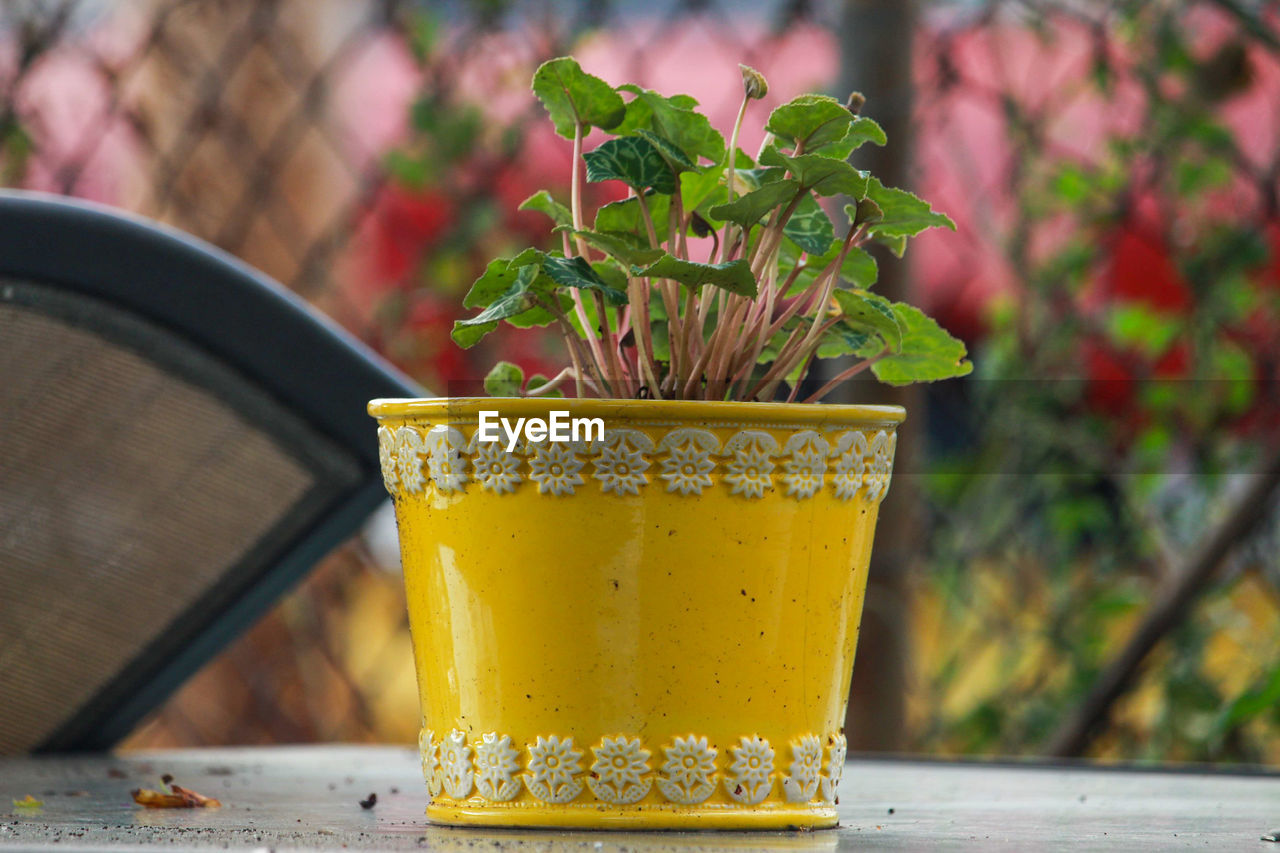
[318, 140]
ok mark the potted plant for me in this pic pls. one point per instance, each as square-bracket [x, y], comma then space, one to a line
[637, 608]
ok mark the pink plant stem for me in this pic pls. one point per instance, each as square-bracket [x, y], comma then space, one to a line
[843, 376]
[795, 386]
[639, 292]
[731, 172]
[570, 340]
[555, 382]
[666, 287]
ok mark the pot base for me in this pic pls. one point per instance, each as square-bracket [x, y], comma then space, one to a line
[648, 817]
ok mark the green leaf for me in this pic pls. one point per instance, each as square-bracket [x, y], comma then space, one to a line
[697, 185]
[928, 352]
[504, 380]
[862, 131]
[625, 216]
[496, 280]
[748, 209]
[734, 276]
[661, 336]
[841, 340]
[576, 272]
[507, 290]
[905, 214]
[528, 256]
[467, 334]
[810, 227]
[810, 120]
[573, 97]
[622, 245]
[869, 311]
[897, 245]
[823, 175]
[518, 305]
[676, 159]
[542, 202]
[674, 120]
[754, 179]
[632, 160]
[859, 268]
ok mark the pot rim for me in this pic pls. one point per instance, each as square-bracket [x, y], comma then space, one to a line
[798, 413]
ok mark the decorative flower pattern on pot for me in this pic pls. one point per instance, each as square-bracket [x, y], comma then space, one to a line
[455, 763]
[444, 460]
[618, 773]
[689, 459]
[621, 464]
[750, 778]
[687, 466]
[428, 748]
[554, 467]
[688, 774]
[806, 764]
[409, 448]
[851, 465]
[750, 465]
[807, 466]
[621, 774]
[495, 469]
[496, 768]
[881, 465]
[835, 767]
[387, 458]
[552, 765]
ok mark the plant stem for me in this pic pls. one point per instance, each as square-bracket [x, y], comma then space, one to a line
[731, 173]
[576, 356]
[575, 187]
[804, 368]
[771, 372]
[771, 238]
[670, 301]
[639, 292]
[554, 383]
[570, 341]
[843, 376]
[614, 365]
[589, 331]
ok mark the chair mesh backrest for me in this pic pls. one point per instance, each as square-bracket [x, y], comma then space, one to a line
[136, 475]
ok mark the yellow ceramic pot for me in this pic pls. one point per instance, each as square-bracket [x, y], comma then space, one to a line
[649, 629]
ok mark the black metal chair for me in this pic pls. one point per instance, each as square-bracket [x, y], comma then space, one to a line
[180, 440]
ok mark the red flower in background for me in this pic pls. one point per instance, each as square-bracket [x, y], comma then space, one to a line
[426, 326]
[1271, 274]
[1110, 390]
[1140, 270]
[405, 223]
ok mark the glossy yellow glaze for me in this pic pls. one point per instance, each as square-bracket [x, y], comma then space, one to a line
[649, 616]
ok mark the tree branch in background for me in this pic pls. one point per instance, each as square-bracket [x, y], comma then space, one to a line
[1168, 611]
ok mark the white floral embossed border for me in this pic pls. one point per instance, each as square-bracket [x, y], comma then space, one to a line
[684, 461]
[622, 771]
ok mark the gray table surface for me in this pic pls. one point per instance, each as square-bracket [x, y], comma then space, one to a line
[308, 797]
